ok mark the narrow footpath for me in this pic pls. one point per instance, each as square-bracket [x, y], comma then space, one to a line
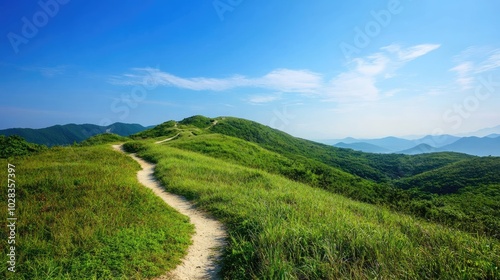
[201, 261]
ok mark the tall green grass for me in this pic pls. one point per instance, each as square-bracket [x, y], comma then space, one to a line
[469, 201]
[83, 215]
[280, 229]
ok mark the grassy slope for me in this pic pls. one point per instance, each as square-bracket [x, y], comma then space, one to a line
[83, 215]
[376, 167]
[299, 169]
[306, 164]
[280, 229]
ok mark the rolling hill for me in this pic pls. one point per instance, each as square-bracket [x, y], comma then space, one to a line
[453, 177]
[419, 149]
[294, 208]
[70, 133]
[437, 141]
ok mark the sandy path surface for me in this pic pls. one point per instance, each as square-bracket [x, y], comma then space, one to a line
[168, 139]
[205, 252]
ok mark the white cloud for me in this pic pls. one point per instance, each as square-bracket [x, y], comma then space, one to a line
[352, 86]
[356, 84]
[411, 53]
[359, 83]
[285, 80]
[472, 62]
[372, 65]
[492, 62]
[261, 99]
[463, 71]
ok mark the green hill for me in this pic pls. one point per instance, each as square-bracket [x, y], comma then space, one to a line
[453, 177]
[340, 171]
[83, 215]
[464, 194]
[197, 121]
[103, 139]
[70, 133]
[15, 146]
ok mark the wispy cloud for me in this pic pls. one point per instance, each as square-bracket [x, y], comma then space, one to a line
[492, 62]
[464, 77]
[47, 72]
[262, 99]
[285, 80]
[357, 83]
[410, 53]
[472, 62]
[360, 82]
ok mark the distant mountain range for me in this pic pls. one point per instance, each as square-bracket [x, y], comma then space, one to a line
[482, 145]
[71, 133]
[482, 132]
[363, 146]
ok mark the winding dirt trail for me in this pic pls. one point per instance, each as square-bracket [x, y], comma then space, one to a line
[201, 261]
[168, 139]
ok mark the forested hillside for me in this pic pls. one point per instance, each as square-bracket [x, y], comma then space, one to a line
[70, 133]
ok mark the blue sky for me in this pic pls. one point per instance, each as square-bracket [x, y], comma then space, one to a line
[317, 70]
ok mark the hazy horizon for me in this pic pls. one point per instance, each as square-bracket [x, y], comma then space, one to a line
[409, 137]
[323, 70]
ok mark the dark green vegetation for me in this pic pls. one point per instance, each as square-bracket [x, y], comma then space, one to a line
[83, 215]
[103, 139]
[160, 130]
[465, 194]
[70, 133]
[453, 177]
[15, 146]
[197, 121]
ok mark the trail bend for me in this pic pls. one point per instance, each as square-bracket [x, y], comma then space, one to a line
[201, 261]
